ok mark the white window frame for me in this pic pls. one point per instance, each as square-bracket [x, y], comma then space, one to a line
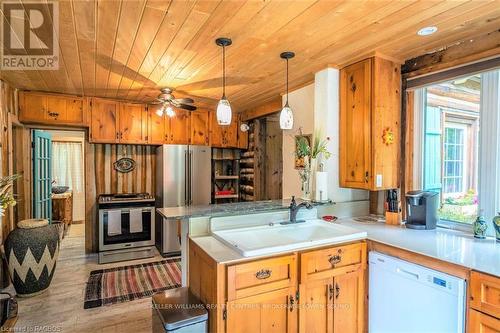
[489, 163]
[465, 128]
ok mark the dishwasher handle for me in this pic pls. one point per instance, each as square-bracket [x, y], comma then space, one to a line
[408, 273]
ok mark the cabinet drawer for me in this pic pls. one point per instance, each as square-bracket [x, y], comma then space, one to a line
[323, 263]
[261, 276]
[482, 323]
[485, 293]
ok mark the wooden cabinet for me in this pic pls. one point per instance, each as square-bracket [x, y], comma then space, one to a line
[52, 109]
[178, 127]
[270, 295]
[133, 122]
[273, 311]
[223, 136]
[482, 323]
[115, 122]
[168, 130]
[332, 289]
[200, 129]
[370, 103]
[484, 312]
[104, 121]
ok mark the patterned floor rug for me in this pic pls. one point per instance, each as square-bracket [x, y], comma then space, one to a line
[123, 284]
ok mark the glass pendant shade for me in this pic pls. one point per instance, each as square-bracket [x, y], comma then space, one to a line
[170, 112]
[224, 113]
[286, 117]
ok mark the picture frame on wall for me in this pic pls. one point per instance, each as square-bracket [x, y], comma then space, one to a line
[299, 151]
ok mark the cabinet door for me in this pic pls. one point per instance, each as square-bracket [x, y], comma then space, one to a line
[179, 127]
[132, 119]
[485, 293]
[348, 302]
[271, 312]
[74, 111]
[231, 134]
[56, 108]
[157, 126]
[200, 127]
[482, 323]
[103, 125]
[216, 132]
[33, 107]
[355, 125]
[316, 310]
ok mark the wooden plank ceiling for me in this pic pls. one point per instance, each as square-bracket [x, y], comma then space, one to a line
[129, 49]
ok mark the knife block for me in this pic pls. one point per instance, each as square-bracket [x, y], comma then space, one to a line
[394, 218]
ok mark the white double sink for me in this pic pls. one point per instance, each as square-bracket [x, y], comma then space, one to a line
[274, 238]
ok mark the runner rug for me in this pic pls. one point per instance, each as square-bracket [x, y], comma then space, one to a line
[123, 284]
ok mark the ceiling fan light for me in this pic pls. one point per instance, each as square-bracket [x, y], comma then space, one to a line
[159, 111]
[170, 112]
[286, 117]
[224, 112]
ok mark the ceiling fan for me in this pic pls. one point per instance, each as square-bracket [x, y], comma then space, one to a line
[168, 100]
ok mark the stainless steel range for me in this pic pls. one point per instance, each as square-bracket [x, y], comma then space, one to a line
[126, 226]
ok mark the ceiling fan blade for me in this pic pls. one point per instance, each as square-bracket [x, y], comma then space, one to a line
[185, 100]
[157, 102]
[186, 107]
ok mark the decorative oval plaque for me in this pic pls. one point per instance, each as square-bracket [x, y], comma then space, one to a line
[124, 165]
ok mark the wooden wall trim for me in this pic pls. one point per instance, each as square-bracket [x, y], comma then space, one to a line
[272, 106]
[462, 52]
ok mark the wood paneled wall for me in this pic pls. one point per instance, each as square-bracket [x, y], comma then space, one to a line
[101, 178]
[141, 179]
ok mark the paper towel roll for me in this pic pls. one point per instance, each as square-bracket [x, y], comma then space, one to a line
[321, 186]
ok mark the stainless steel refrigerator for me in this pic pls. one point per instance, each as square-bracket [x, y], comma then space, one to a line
[183, 178]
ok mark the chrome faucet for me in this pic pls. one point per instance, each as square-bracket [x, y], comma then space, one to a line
[294, 209]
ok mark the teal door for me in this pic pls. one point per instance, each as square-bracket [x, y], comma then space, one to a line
[42, 178]
[432, 149]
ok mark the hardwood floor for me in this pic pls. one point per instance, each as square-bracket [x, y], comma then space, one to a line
[60, 308]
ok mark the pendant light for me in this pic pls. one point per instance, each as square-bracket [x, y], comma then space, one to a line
[224, 113]
[286, 114]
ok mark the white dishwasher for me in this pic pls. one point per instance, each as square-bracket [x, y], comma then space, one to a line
[405, 297]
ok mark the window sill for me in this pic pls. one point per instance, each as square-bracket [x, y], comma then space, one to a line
[446, 224]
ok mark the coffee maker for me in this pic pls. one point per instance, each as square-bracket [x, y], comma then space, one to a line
[422, 210]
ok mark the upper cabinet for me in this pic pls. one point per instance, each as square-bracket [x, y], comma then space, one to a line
[168, 130]
[115, 122]
[51, 109]
[370, 113]
[200, 129]
[223, 136]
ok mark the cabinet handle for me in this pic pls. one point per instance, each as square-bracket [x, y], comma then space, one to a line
[366, 177]
[335, 259]
[337, 290]
[330, 291]
[263, 274]
[117, 135]
[292, 302]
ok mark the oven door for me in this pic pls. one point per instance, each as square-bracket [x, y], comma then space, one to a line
[121, 228]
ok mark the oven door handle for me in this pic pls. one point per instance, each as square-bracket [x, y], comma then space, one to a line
[127, 211]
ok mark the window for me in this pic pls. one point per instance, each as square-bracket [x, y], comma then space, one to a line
[457, 148]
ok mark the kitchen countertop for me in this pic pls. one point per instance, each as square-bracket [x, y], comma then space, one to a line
[238, 208]
[443, 244]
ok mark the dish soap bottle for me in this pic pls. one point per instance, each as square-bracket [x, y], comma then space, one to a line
[496, 225]
[480, 226]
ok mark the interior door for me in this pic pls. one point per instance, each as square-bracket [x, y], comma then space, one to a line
[42, 178]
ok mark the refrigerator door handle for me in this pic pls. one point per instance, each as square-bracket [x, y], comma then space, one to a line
[190, 177]
[186, 175]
